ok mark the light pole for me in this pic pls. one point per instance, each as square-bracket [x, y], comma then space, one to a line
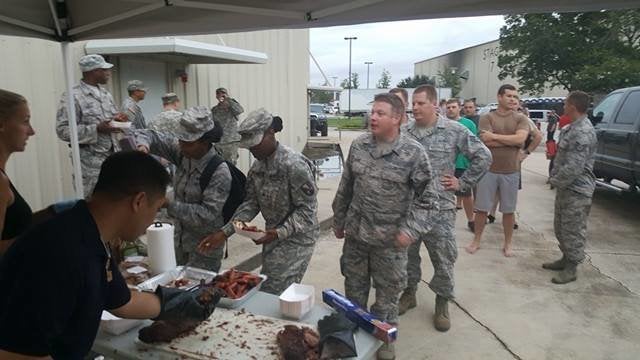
[350, 80]
[368, 63]
[334, 85]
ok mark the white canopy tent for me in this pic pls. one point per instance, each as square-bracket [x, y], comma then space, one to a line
[65, 21]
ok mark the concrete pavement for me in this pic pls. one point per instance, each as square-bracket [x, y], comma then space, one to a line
[507, 308]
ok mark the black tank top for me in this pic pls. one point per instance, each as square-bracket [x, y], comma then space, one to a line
[18, 217]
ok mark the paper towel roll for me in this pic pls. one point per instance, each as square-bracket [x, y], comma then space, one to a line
[162, 255]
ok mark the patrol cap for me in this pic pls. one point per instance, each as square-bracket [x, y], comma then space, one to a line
[92, 62]
[169, 98]
[134, 85]
[222, 90]
[195, 122]
[253, 127]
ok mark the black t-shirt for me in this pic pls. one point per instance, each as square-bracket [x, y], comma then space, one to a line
[18, 217]
[54, 287]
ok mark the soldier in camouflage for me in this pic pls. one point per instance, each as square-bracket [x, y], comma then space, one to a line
[573, 177]
[282, 187]
[226, 113]
[95, 110]
[130, 105]
[443, 140]
[168, 120]
[386, 200]
[196, 212]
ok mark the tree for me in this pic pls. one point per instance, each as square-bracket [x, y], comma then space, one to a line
[417, 80]
[595, 52]
[321, 96]
[355, 82]
[385, 80]
[449, 77]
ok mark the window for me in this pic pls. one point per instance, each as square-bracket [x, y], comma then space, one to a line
[630, 109]
[607, 106]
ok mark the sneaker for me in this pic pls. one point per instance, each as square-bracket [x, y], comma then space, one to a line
[515, 226]
[491, 219]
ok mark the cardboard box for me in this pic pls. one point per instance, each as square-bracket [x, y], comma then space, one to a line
[364, 319]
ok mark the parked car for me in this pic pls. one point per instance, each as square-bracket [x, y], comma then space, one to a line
[488, 108]
[617, 122]
[317, 120]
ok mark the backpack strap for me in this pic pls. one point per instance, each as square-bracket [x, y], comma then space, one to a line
[208, 171]
[205, 179]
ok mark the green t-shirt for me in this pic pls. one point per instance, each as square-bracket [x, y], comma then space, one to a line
[461, 161]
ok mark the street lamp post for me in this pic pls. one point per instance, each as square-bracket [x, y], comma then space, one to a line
[368, 63]
[350, 79]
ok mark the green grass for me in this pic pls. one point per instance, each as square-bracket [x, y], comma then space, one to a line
[355, 122]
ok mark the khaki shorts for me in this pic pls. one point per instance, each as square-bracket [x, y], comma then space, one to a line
[503, 185]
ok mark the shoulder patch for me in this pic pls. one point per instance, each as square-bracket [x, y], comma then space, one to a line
[308, 188]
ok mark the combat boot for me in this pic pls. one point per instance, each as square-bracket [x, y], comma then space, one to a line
[556, 265]
[407, 300]
[441, 319]
[386, 352]
[567, 275]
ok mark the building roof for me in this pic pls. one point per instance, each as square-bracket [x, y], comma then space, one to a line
[455, 51]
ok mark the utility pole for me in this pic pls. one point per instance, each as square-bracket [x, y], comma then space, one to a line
[334, 85]
[368, 63]
[350, 79]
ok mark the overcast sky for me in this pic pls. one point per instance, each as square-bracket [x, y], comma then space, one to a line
[395, 46]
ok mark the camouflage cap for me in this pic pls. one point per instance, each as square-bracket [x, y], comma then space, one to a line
[92, 62]
[253, 127]
[169, 98]
[195, 122]
[134, 85]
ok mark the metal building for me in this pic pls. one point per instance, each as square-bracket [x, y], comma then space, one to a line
[479, 68]
[33, 68]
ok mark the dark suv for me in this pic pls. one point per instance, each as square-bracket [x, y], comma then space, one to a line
[617, 122]
[317, 120]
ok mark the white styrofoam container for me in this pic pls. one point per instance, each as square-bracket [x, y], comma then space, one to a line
[297, 300]
[121, 124]
[115, 325]
[228, 303]
[167, 277]
[254, 235]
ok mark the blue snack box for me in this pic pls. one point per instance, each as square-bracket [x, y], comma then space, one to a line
[370, 323]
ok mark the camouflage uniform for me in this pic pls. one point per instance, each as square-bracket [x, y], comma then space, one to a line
[573, 177]
[384, 189]
[196, 213]
[443, 142]
[228, 117]
[134, 113]
[282, 188]
[93, 106]
[166, 122]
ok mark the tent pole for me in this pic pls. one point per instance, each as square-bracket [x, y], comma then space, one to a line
[73, 126]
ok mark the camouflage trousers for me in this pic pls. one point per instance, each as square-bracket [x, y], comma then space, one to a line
[189, 255]
[284, 263]
[362, 263]
[443, 252]
[90, 164]
[228, 151]
[570, 223]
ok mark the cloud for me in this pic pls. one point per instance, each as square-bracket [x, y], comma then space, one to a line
[394, 46]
